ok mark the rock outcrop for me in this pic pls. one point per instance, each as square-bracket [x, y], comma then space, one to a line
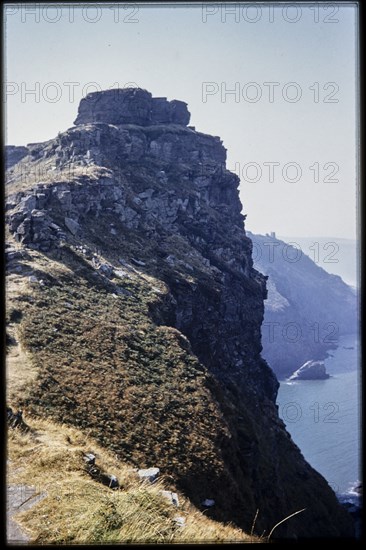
[14, 154]
[311, 370]
[159, 356]
[307, 310]
[131, 106]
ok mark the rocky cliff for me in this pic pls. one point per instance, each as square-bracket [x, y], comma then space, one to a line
[14, 154]
[142, 312]
[307, 310]
[311, 370]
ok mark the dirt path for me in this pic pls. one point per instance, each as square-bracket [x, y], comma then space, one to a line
[19, 373]
[19, 498]
[14, 533]
[19, 369]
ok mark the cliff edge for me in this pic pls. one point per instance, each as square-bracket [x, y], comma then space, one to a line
[141, 310]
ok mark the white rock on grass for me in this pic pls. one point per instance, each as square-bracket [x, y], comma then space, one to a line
[121, 273]
[172, 497]
[149, 474]
[89, 458]
[180, 521]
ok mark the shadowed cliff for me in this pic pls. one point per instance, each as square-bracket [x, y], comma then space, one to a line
[307, 310]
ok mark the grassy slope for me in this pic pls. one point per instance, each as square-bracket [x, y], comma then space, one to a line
[92, 358]
[105, 367]
[77, 509]
[85, 338]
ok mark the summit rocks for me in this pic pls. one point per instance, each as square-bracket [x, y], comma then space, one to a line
[131, 106]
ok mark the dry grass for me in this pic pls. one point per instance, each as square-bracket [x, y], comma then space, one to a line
[103, 366]
[142, 395]
[77, 509]
[25, 174]
[21, 369]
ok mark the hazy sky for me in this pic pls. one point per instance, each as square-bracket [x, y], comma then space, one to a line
[289, 125]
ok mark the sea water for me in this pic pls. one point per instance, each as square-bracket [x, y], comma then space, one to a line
[323, 417]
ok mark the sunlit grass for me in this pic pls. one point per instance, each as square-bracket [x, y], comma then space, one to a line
[77, 509]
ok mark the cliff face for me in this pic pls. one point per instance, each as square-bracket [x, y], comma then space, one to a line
[146, 325]
[134, 106]
[13, 155]
[307, 309]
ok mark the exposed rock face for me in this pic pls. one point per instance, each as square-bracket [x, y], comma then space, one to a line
[147, 193]
[306, 310]
[131, 106]
[311, 370]
[13, 154]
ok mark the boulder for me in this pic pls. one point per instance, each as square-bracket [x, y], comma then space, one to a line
[171, 497]
[13, 254]
[64, 196]
[311, 370]
[41, 200]
[180, 521]
[110, 480]
[149, 474]
[106, 270]
[26, 204]
[138, 262]
[72, 225]
[121, 273]
[89, 458]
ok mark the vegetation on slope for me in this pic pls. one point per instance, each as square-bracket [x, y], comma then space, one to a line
[104, 366]
[73, 508]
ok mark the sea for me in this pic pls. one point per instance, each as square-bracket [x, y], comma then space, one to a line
[324, 416]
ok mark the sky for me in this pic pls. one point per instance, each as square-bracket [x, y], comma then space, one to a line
[277, 84]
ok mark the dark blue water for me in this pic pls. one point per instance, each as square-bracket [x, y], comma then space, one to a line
[323, 417]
